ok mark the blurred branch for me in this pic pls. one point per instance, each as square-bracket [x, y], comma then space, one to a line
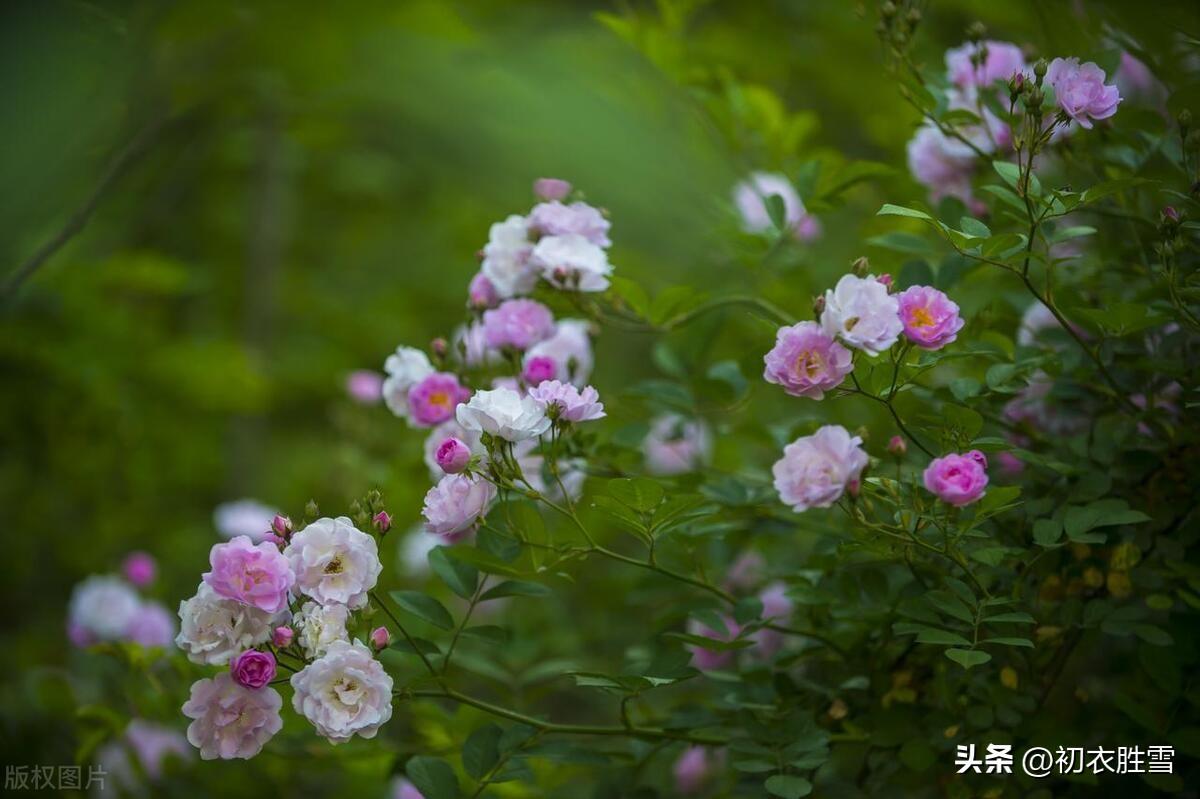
[120, 162]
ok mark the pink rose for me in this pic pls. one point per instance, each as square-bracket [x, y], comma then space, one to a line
[365, 387]
[1080, 90]
[806, 361]
[551, 188]
[257, 575]
[231, 721]
[816, 470]
[482, 292]
[433, 400]
[957, 479]
[253, 669]
[453, 456]
[930, 318]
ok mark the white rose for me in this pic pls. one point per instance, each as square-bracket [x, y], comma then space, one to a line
[572, 262]
[406, 367]
[318, 626]
[860, 312]
[506, 258]
[334, 562]
[343, 693]
[104, 605]
[504, 413]
[213, 629]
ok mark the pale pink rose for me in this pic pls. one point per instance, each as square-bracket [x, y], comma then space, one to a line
[506, 258]
[1080, 90]
[551, 188]
[943, 165]
[957, 479]
[334, 562]
[518, 324]
[777, 609]
[930, 318]
[695, 768]
[570, 348]
[555, 219]
[403, 789]
[999, 61]
[253, 574]
[481, 293]
[231, 721]
[456, 505]
[151, 625]
[806, 361]
[675, 445]
[564, 401]
[750, 197]
[365, 386]
[344, 693]
[816, 470]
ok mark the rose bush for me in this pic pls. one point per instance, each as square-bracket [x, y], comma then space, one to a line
[956, 507]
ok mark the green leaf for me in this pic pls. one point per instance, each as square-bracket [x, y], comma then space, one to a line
[638, 493]
[968, 658]
[459, 577]
[1009, 172]
[432, 777]
[1010, 618]
[424, 607]
[899, 210]
[777, 210]
[424, 646]
[963, 388]
[944, 637]
[515, 588]
[481, 750]
[1152, 635]
[487, 632]
[973, 227]
[788, 786]
[951, 605]
[1025, 642]
[1046, 532]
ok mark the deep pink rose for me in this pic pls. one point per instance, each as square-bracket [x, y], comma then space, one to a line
[253, 669]
[433, 400]
[957, 479]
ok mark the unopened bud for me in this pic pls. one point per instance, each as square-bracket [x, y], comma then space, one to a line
[311, 511]
[861, 266]
[818, 305]
[538, 369]
[914, 17]
[897, 446]
[886, 280]
[976, 31]
[281, 525]
[439, 347]
[380, 638]
[551, 188]
[1184, 119]
[382, 522]
[481, 293]
[854, 488]
[1033, 100]
[888, 9]
[282, 636]
[1039, 70]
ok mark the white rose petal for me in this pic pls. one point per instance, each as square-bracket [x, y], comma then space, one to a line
[505, 413]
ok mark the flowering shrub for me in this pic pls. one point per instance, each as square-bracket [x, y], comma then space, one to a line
[951, 505]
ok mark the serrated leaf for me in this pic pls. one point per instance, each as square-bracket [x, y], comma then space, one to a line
[638, 493]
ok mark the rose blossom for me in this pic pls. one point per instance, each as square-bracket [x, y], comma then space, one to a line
[231, 721]
[319, 626]
[151, 745]
[957, 479]
[334, 562]
[151, 625]
[930, 318]
[403, 789]
[555, 219]
[253, 669]
[675, 445]
[139, 568]
[253, 574]
[481, 293]
[364, 386]
[439, 434]
[573, 263]
[1080, 90]
[695, 768]
[406, 367]
[518, 324]
[710, 659]
[344, 693]
[456, 505]
[505, 413]
[432, 401]
[1135, 81]
[506, 258]
[101, 608]
[777, 607]
[538, 369]
[943, 165]
[453, 456]
[861, 313]
[806, 361]
[282, 636]
[564, 401]
[1002, 61]
[551, 188]
[570, 347]
[247, 517]
[815, 470]
[750, 197]
[213, 629]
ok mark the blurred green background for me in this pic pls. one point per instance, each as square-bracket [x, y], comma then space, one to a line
[315, 181]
